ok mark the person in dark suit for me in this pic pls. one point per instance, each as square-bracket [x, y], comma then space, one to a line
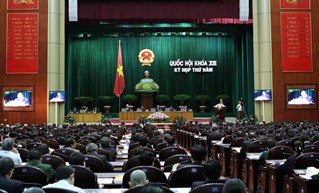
[6, 171]
[287, 167]
[212, 172]
[91, 149]
[34, 159]
[105, 143]
[198, 154]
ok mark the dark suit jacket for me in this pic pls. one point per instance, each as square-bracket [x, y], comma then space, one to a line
[112, 153]
[108, 166]
[198, 183]
[287, 167]
[11, 186]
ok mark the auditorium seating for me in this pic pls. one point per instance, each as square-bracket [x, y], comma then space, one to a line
[311, 148]
[53, 160]
[185, 176]
[23, 154]
[57, 190]
[103, 152]
[94, 163]
[84, 177]
[30, 175]
[179, 158]
[169, 151]
[280, 152]
[306, 160]
[153, 174]
[209, 188]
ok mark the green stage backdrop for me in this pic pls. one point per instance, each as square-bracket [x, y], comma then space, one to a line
[91, 66]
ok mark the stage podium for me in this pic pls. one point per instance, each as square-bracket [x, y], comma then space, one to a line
[220, 111]
[147, 100]
[147, 87]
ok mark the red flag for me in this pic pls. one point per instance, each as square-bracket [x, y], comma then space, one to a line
[119, 84]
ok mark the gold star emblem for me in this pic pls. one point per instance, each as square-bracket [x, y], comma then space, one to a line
[120, 70]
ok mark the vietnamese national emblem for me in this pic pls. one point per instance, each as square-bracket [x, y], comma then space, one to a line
[146, 57]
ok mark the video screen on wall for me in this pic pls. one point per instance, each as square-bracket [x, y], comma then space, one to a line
[262, 95]
[17, 98]
[301, 96]
[56, 96]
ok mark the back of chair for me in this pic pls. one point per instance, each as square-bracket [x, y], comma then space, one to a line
[33, 145]
[169, 151]
[311, 148]
[280, 152]
[94, 163]
[135, 161]
[307, 160]
[133, 190]
[104, 152]
[179, 158]
[83, 141]
[84, 177]
[57, 190]
[63, 153]
[153, 174]
[284, 143]
[23, 154]
[160, 147]
[185, 176]
[209, 188]
[228, 139]
[53, 160]
[29, 174]
[238, 142]
[257, 146]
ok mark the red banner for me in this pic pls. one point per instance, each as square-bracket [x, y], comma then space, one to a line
[23, 4]
[22, 43]
[294, 4]
[296, 43]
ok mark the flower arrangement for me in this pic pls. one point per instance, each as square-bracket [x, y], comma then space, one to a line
[147, 87]
[158, 117]
[142, 119]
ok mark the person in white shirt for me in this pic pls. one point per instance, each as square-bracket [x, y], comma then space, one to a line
[65, 179]
[240, 110]
[8, 150]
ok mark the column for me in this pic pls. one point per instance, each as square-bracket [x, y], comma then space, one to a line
[262, 56]
[56, 56]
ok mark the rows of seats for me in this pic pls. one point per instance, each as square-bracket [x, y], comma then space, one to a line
[221, 138]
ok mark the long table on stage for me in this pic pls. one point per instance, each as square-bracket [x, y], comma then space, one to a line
[86, 117]
[188, 115]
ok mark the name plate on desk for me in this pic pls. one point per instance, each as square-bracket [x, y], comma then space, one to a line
[253, 156]
[237, 149]
[225, 145]
[275, 161]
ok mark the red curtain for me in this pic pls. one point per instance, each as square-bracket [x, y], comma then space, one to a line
[220, 11]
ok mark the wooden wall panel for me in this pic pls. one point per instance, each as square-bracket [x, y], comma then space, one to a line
[38, 81]
[280, 79]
